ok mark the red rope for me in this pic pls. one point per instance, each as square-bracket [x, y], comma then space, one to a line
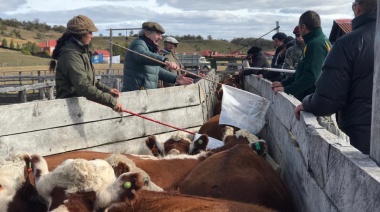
[144, 117]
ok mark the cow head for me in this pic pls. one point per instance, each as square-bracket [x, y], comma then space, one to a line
[17, 190]
[177, 144]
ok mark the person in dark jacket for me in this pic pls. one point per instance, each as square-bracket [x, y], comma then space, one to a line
[302, 82]
[141, 73]
[277, 60]
[257, 59]
[346, 83]
[75, 75]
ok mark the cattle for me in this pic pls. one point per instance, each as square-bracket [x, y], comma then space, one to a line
[238, 174]
[213, 129]
[217, 108]
[177, 144]
[17, 190]
[72, 176]
[143, 200]
[167, 172]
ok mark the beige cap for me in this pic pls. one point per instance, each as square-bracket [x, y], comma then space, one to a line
[171, 40]
[153, 26]
[80, 25]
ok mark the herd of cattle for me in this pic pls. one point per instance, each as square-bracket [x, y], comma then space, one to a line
[179, 175]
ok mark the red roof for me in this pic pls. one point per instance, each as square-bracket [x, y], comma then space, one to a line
[104, 52]
[345, 25]
[48, 43]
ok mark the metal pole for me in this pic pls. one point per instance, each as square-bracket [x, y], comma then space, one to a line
[110, 60]
[277, 26]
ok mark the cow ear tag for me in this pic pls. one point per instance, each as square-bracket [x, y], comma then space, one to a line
[127, 185]
[258, 147]
[200, 141]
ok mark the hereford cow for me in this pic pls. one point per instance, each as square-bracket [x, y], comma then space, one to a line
[177, 144]
[213, 129]
[143, 200]
[238, 174]
[167, 172]
[17, 190]
[72, 176]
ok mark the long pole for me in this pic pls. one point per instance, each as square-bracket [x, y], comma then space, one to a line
[187, 72]
[277, 27]
[270, 69]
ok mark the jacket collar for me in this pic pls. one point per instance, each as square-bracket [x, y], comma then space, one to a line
[312, 34]
[363, 19]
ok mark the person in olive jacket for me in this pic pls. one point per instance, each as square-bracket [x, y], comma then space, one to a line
[302, 82]
[345, 86]
[140, 72]
[75, 75]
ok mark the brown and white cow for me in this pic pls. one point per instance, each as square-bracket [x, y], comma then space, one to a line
[238, 174]
[72, 176]
[177, 144]
[167, 172]
[143, 200]
[17, 190]
[213, 129]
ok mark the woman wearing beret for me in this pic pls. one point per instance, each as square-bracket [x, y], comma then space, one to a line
[75, 75]
[142, 73]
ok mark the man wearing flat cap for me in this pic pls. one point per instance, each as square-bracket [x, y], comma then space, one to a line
[170, 44]
[257, 59]
[141, 72]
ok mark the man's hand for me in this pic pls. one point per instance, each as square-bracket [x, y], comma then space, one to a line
[276, 84]
[171, 65]
[118, 107]
[114, 92]
[277, 89]
[297, 111]
[260, 76]
[182, 80]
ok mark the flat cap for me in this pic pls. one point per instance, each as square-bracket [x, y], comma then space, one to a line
[80, 25]
[153, 26]
[171, 40]
[254, 50]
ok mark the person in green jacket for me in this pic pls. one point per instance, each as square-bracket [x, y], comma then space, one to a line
[141, 72]
[302, 82]
[75, 75]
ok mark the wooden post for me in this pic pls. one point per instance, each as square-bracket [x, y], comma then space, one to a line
[51, 93]
[41, 90]
[22, 95]
[375, 127]
[19, 73]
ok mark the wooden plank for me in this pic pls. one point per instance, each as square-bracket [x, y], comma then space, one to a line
[375, 124]
[46, 68]
[136, 146]
[79, 136]
[31, 116]
[27, 87]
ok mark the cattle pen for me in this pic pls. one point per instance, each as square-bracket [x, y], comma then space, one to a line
[322, 171]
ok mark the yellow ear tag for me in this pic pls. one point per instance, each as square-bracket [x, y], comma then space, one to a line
[127, 185]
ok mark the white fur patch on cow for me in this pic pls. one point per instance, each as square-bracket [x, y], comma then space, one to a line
[61, 208]
[179, 135]
[202, 154]
[228, 131]
[77, 175]
[246, 134]
[114, 159]
[11, 178]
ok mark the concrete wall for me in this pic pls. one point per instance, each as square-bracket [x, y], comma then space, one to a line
[55, 126]
[323, 172]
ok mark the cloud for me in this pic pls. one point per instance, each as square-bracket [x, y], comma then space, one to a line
[9, 5]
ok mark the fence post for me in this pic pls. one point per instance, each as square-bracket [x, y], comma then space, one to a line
[51, 93]
[41, 90]
[19, 73]
[22, 96]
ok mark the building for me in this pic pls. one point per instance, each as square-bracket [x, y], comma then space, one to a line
[48, 46]
[340, 27]
[105, 53]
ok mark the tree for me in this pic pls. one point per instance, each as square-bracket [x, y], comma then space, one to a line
[209, 37]
[12, 45]
[18, 46]
[131, 33]
[5, 43]
[120, 34]
[39, 35]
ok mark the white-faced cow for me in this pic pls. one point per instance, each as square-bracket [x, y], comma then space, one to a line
[17, 190]
[143, 200]
[238, 174]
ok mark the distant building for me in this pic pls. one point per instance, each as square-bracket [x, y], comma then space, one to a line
[48, 45]
[105, 53]
[340, 27]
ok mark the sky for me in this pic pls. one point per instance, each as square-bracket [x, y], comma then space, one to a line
[222, 19]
